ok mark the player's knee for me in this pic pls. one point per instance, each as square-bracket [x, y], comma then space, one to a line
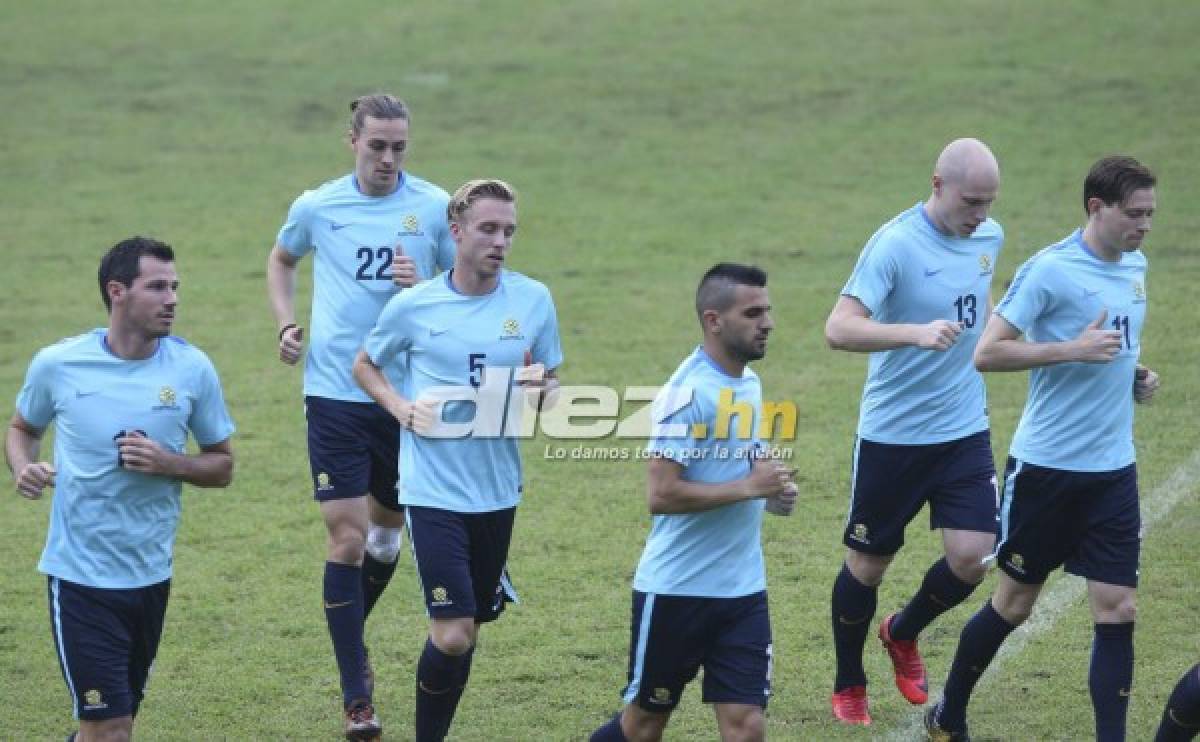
[639, 725]
[1121, 611]
[749, 727]
[969, 568]
[383, 543]
[867, 568]
[346, 546]
[109, 730]
[454, 638]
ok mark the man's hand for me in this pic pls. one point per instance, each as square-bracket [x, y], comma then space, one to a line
[938, 335]
[291, 344]
[1145, 384]
[767, 478]
[404, 270]
[1096, 345]
[783, 502]
[541, 390]
[35, 477]
[143, 455]
[419, 416]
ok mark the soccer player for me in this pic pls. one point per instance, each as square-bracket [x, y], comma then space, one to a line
[917, 302]
[476, 331]
[1070, 485]
[700, 592]
[373, 231]
[123, 400]
[1181, 717]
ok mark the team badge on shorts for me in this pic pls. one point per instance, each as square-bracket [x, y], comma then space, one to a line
[323, 483]
[859, 533]
[661, 695]
[441, 596]
[93, 700]
[1017, 562]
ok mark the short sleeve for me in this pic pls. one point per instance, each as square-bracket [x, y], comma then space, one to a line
[874, 275]
[35, 401]
[674, 413]
[547, 348]
[210, 422]
[391, 334]
[295, 235]
[1028, 297]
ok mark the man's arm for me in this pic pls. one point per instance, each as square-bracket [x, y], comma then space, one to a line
[212, 467]
[667, 492]
[1002, 349]
[281, 291]
[21, 448]
[416, 416]
[851, 328]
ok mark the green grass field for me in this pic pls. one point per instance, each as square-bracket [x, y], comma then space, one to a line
[648, 140]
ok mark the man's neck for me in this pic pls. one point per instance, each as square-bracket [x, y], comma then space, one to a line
[729, 366]
[473, 284]
[130, 346]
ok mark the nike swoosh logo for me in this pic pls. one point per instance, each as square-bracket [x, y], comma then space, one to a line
[433, 332]
[335, 226]
[338, 605]
[79, 393]
[848, 622]
[929, 273]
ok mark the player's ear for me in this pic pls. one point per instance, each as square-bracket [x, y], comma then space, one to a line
[456, 231]
[1094, 205]
[711, 319]
[115, 290]
[937, 182]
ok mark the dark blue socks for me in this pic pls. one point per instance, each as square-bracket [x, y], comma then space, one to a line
[1110, 678]
[441, 679]
[610, 732]
[940, 591]
[980, 640]
[344, 615]
[1181, 717]
[375, 578]
[853, 608]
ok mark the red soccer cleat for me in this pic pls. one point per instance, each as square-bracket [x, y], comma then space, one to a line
[850, 705]
[907, 664]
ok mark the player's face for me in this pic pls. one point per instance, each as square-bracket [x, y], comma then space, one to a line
[747, 323]
[965, 202]
[148, 305]
[483, 236]
[1122, 227]
[379, 150]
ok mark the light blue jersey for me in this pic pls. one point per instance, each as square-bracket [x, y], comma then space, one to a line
[111, 527]
[911, 273]
[355, 236]
[715, 553]
[1078, 416]
[465, 348]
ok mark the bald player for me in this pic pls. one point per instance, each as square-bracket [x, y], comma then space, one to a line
[917, 301]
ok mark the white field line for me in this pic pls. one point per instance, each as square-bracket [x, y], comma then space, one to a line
[1067, 589]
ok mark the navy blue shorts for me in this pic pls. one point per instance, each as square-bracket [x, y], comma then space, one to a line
[106, 641]
[1087, 522]
[673, 636]
[892, 482]
[461, 560]
[353, 449]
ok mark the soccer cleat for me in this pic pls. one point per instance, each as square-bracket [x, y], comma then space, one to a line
[850, 705]
[907, 664]
[936, 733]
[362, 723]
